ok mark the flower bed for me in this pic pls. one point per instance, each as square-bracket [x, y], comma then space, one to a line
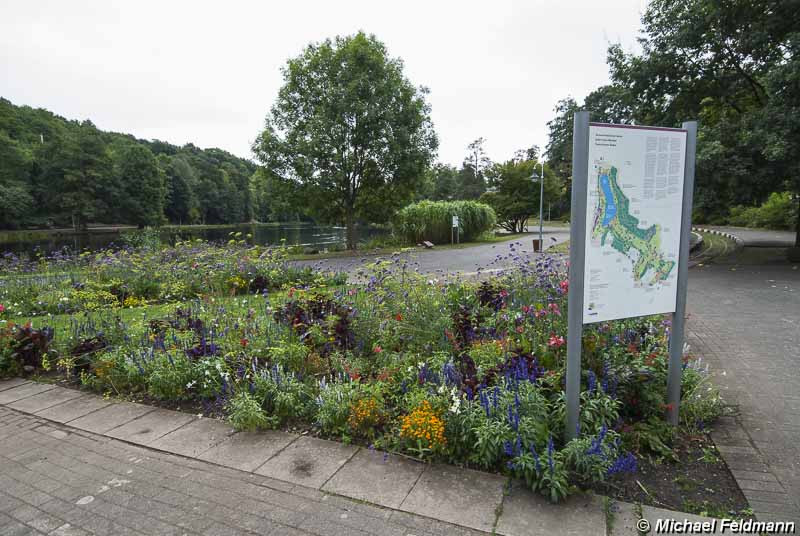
[460, 371]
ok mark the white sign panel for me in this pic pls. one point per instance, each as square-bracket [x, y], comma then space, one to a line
[633, 221]
[455, 221]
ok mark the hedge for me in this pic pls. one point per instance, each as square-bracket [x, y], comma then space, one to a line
[432, 220]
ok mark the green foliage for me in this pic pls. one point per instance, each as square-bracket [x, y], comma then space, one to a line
[701, 402]
[779, 211]
[515, 192]
[282, 396]
[171, 376]
[432, 221]
[246, 414]
[55, 172]
[143, 186]
[334, 403]
[351, 129]
[735, 68]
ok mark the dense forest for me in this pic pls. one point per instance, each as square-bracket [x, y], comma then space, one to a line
[60, 173]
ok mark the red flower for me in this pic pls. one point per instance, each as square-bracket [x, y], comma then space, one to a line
[377, 349]
[2, 308]
[398, 317]
[564, 285]
[291, 292]
[244, 343]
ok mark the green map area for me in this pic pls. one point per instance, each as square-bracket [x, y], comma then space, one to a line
[613, 219]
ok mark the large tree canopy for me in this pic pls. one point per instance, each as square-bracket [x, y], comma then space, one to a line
[731, 64]
[350, 129]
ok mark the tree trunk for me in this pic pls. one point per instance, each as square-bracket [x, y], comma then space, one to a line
[351, 232]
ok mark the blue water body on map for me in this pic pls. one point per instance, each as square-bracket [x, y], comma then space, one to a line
[611, 206]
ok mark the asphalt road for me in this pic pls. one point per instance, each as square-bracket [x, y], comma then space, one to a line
[464, 260]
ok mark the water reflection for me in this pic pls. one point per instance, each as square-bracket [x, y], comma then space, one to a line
[294, 234]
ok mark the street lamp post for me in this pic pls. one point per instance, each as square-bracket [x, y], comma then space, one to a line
[541, 200]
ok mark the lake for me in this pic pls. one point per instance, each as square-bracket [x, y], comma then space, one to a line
[315, 236]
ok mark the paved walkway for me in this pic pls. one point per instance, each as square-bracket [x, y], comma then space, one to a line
[469, 259]
[74, 464]
[758, 237]
[744, 320]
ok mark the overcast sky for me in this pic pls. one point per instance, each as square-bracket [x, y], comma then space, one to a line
[207, 72]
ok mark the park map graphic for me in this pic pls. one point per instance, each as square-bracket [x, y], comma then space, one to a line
[613, 222]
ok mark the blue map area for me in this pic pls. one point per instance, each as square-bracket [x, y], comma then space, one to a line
[611, 206]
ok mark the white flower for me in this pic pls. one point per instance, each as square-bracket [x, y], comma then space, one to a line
[191, 384]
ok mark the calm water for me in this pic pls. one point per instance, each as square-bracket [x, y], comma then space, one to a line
[295, 234]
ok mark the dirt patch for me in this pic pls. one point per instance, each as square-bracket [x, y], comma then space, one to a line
[699, 482]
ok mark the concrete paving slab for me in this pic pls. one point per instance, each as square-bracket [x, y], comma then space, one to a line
[526, 513]
[150, 426]
[624, 519]
[195, 438]
[460, 496]
[74, 409]
[653, 515]
[23, 391]
[114, 415]
[308, 461]
[247, 451]
[13, 382]
[375, 477]
[47, 399]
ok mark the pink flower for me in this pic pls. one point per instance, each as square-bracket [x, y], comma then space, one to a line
[553, 307]
[556, 341]
[2, 308]
[564, 286]
[377, 349]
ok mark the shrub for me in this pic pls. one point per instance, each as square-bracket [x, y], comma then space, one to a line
[245, 413]
[432, 221]
[779, 211]
[21, 346]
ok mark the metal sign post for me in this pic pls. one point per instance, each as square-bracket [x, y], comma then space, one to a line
[650, 162]
[577, 258]
[676, 337]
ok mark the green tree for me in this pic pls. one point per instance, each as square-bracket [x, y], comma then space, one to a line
[445, 183]
[181, 205]
[471, 176]
[730, 65]
[143, 183]
[16, 201]
[514, 192]
[351, 129]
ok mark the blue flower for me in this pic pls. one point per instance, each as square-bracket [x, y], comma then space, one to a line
[625, 463]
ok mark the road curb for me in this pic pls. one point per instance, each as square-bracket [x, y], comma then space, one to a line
[739, 242]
